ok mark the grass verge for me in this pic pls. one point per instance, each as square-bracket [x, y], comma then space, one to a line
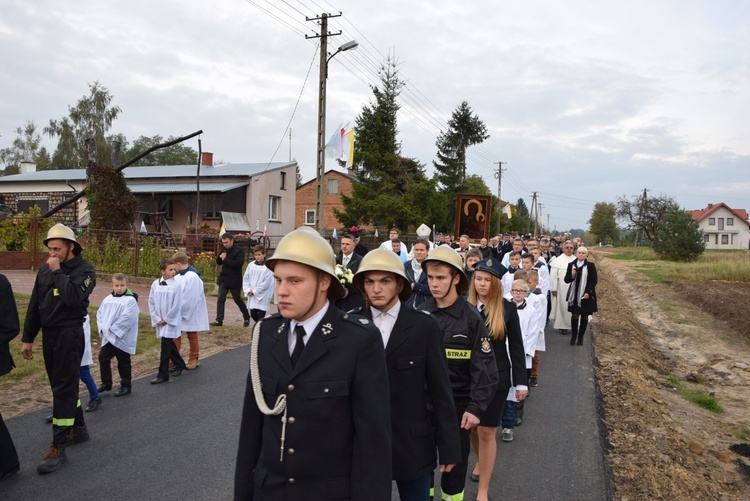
[696, 395]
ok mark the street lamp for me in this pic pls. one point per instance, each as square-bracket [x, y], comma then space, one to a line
[324, 58]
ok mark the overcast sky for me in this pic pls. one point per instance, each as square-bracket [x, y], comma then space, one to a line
[584, 100]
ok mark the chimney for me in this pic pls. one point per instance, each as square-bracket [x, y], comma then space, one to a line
[27, 166]
[207, 159]
[710, 206]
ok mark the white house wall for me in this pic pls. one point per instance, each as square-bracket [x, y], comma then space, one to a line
[263, 186]
[738, 235]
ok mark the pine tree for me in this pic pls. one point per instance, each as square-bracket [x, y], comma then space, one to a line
[678, 237]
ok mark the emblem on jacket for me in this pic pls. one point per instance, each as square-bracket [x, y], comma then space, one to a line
[364, 321]
[326, 328]
[486, 346]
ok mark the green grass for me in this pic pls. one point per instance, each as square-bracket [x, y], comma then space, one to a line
[743, 433]
[696, 395]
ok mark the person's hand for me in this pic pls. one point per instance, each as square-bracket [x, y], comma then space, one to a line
[346, 292]
[586, 296]
[573, 272]
[26, 351]
[521, 394]
[250, 293]
[223, 256]
[469, 421]
[446, 467]
[162, 322]
[53, 263]
[554, 293]
[412, 286]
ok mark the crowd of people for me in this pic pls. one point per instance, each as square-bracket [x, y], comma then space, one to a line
[406, 367]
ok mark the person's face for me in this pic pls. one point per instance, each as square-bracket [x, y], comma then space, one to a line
[568, 249]
[482, 284]
[463, 242]
[347, 246]
[536, 253]
[396, 247]
[483, 242]
[119, 286]
[470, 262]
[300, 289]
[581, 254]
[494, 241]
[544, 246]
[531, 243]
[515, 260]
[169, 272]
[382, 289]
[517, 245]
[527, 263]
[420, 252]
[441, 280]
[392, 234]
[61, 249]
[533, 283]
[227, 243]
[259, 257]
[518, 292]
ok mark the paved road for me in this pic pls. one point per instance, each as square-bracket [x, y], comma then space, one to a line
[178, 440]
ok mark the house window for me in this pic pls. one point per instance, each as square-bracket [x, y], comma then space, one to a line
[721, 223]
[711, 221]
[274, 208]
[730, 221]
[212, 215]
[333, 186]
[705, 238]
[725, 239]
[283, 180]
[310, 217]
[168, 210]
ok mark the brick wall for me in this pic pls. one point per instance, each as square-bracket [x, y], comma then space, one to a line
[307, 198]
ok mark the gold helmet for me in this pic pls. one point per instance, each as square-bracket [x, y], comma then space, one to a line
[446, 255]
[63, 233]
[382, 260]
[305, 246]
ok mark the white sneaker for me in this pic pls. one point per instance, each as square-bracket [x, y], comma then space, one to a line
[507, 435]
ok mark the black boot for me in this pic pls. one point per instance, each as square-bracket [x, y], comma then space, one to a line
[55, 457]
[582, 329]
[574, 330]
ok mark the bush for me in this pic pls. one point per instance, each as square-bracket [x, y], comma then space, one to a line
[678, 237]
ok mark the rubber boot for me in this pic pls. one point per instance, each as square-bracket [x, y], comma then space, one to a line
[582, 329]
[574, 330]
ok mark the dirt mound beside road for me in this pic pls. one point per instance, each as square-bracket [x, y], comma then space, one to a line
[642, 337]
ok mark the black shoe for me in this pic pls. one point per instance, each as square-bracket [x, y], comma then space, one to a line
[246, 323]
[159, 380]
[104, 387]
[49, 418]
[77, 434]
[533, 382]
[217, 323]
[10, 472]
[580, 342]
[122, 391]
[93, 404]
[474, 477]
[519, 421]
[53, 460]
[176, 372]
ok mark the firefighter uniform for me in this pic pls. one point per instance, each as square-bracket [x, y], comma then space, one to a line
[58, 307]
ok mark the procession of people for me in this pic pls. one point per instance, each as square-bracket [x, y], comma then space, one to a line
[378, 368]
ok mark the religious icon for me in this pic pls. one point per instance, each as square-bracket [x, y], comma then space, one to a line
[473, 216]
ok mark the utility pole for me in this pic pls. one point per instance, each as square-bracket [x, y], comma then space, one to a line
[499, 176]
[533, 216]
[640, 215]
[541, 217]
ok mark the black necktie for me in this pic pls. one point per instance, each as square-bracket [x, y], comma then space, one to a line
[163, 283]
[299, 331]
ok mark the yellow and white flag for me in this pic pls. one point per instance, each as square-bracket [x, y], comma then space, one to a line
[507, 211]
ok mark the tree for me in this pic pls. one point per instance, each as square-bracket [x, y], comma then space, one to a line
[25, 147]
[602, 223]
[520, 220]
[678, 237]
[92, 117]
[177, 154]
[464, 129]
[643, 213]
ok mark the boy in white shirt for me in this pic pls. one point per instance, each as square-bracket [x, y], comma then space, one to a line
[117, 319]
[165, 305]
[258, 284]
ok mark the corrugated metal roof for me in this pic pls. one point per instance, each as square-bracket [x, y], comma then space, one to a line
[185, 187]
[159, 171]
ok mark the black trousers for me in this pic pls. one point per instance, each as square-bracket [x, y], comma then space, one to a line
[454, 481]
[257, 314]
[169, 352]
[236, 296]
[8, 454]
[124, 367]
[63, 349]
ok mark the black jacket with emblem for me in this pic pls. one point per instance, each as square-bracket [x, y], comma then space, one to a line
[418, 377]
[338, 433]
[471, 363]
[59, 298]
[231, 267]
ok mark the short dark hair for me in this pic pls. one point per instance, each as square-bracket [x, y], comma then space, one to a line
[349, 236]
[228, 236]
[423, 242]
[164, 263]
[120, 276]
[259, 248]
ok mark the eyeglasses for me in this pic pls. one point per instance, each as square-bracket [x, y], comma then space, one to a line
[518, 291]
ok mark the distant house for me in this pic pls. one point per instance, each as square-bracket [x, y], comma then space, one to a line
[168, 195]
[723, 227]
[336, 184]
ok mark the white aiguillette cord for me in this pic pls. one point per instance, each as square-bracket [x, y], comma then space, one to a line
[280, 405]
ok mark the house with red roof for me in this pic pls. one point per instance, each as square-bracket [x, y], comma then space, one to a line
[723, 227]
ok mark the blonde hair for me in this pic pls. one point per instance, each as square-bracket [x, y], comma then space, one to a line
[584, 249]
[521, 275]
[180, 258]
[494, 306]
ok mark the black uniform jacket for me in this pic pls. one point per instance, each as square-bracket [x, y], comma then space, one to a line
[353, 299]
[468, 348]
[338, 432]
[511, 370]
[59, 298]
[9, 325]
[231, 267]
[588, 306]
[418, 376]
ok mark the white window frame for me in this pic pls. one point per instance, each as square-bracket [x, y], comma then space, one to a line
[274, 208]
[335, 183]
[308, 213]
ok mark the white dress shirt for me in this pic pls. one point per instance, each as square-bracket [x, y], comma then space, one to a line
[310, 325]
[385, 320]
